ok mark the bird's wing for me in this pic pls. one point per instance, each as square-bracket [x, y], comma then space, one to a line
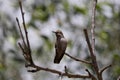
[55, 45]
[57, 55]
[60, 50]
[63, 44]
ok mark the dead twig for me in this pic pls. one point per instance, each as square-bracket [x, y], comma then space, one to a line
[103, 69]
[94, 62]
[21, 32]
[25, 30]
[93, 24]
[26, 46]
[38, 68]
[92, 46]
[26, 50]
[83, 61]
[91, 75]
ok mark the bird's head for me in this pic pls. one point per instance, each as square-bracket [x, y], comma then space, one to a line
[58, 33]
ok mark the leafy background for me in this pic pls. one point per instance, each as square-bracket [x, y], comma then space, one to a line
[71, 16]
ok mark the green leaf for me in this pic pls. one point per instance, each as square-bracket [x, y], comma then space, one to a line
[51, 8]
[66, 6]
[116, 57]
[41, 13]
[80, 10]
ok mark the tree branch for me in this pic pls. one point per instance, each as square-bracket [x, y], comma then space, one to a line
[93, 25]
[26, 50]
[91, 75]
[27, 54]
[25, 30]
[88, 42]
[77, 59]
[26, 46]
[38, 68]
[92, 46]
[94, 61]
[93, 57]
[21, 32]
[103, 69]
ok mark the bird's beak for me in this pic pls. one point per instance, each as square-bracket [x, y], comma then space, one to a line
[54, 31]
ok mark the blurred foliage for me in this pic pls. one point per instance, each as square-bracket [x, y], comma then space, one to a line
[40, 13]
[62, 13]
[78, 10]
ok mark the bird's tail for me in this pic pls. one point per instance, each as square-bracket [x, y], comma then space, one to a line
[58, 58]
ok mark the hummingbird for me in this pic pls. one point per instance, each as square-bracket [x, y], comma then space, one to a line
[60, 46]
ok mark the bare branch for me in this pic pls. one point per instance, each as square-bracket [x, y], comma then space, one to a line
[93, 25]
[91, 75]
[90, 49]
[103, 69]
[21, 32]
[94, 61]
[93, 57]
[66, 70]
[77, 59]
[25, 30]
[38, 68]
[88, 42]
[27, 54]
[26, 46]
[21, 48]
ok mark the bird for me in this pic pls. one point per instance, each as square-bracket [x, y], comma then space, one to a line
[60, 46]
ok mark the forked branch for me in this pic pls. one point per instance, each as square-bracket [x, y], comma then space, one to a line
[25, 30]
[26, 50]
[91, 45]
[103, 69]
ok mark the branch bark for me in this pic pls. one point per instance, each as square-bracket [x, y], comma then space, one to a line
[26, 50]
[103, 69]
[69, 75]
[92, 45]
[83, 61]
[94, 61]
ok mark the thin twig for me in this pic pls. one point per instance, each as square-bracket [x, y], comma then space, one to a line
[66, 70]
[93, 40]
[94, 61]
[26, 33]
[28, 58]
[77, 59]
[88, 42]
[93, 25]
[21, 32]
[21, 47]
[38, 68]
[91, 75]
[89, 46]
[103, 69]
[93, 57]
[27, 55]
[26, 49]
